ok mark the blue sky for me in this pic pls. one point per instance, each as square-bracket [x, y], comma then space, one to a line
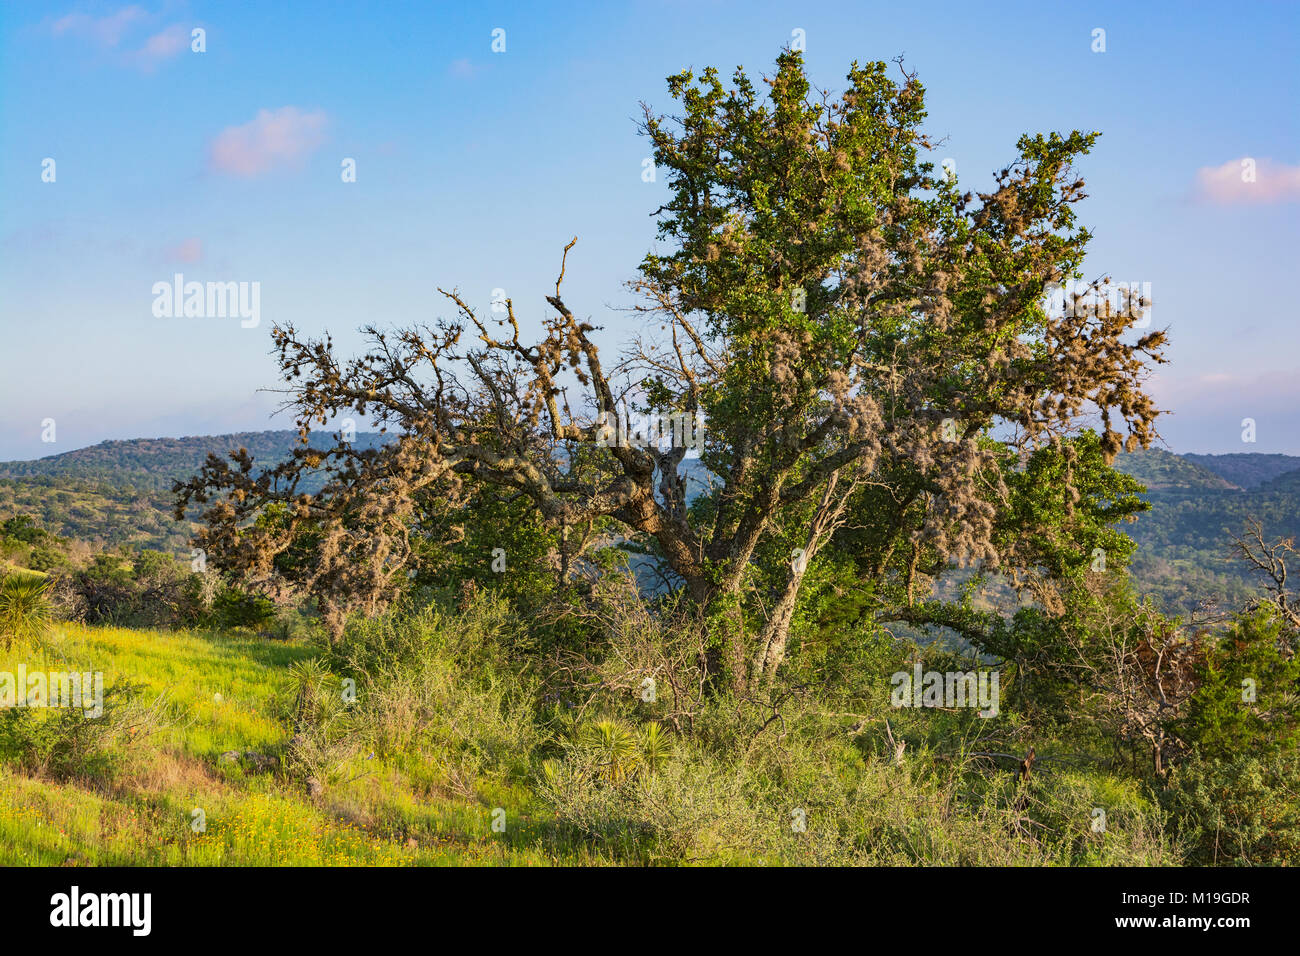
[474, 168]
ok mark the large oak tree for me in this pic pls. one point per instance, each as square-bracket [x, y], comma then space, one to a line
[851, 326]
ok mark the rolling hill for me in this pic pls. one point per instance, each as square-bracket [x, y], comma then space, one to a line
[119, 493]
[154, 463]
[1247, 470]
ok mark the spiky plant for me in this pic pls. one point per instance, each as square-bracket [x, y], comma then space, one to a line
[656, 745]
[25, 609]
[613, 745]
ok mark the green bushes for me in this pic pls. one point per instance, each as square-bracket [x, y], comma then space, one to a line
[232, 608]
[671, 778]
[429, 691]
[75, 743]
[814, 790]
[1238, 811]
[136, 589]
[1248, 696]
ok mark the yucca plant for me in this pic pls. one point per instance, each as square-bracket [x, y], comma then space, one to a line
[25, 608]
[614, 747]
[322, 721]
[550, 772]
[656, 745]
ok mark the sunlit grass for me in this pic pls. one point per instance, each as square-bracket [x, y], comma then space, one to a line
[219, 690]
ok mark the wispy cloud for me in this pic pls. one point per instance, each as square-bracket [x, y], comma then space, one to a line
[106, 31]
[162, 46]
[1246, 180]
[273, 139]
[463, 69]
[109, 32]
[187, 250]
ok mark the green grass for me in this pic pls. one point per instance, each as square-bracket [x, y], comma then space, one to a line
[454, 741]
[219, 692]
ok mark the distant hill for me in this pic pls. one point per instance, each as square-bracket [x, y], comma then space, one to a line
[119, 492]
[1198, 504]
[1285, 484]
[1162, 470]
[154, 463]
[1245, 469]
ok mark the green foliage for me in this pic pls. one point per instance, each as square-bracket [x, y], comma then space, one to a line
[433, 690]
[72, 743]
[526, 573]
[139, 588]
[319, 715]
[1242, 810]
[233, 607]
[1248, 698]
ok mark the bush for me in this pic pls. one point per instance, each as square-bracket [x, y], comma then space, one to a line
[140, 589]
[431, 691]
[235, 608]
[68, 743]
[1238, 811]
[1223, 718]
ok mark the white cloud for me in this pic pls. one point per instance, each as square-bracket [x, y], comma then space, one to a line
[273, 139]
[163, 46]
[1247, 180]
[105, 31]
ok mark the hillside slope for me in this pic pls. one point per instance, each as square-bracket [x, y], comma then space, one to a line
[216, 694]
[1247, 469]
[1162, 470]
[154, 463]
[119, 492]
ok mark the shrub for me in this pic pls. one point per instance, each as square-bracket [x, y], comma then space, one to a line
[67, 743]
[137, 589]
[1238, 811]
[235, 608]
[1224, 718]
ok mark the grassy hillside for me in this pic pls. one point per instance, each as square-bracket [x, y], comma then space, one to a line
[216, 694]
[441, 742]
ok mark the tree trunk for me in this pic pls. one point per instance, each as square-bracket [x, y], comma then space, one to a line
[772, 641]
